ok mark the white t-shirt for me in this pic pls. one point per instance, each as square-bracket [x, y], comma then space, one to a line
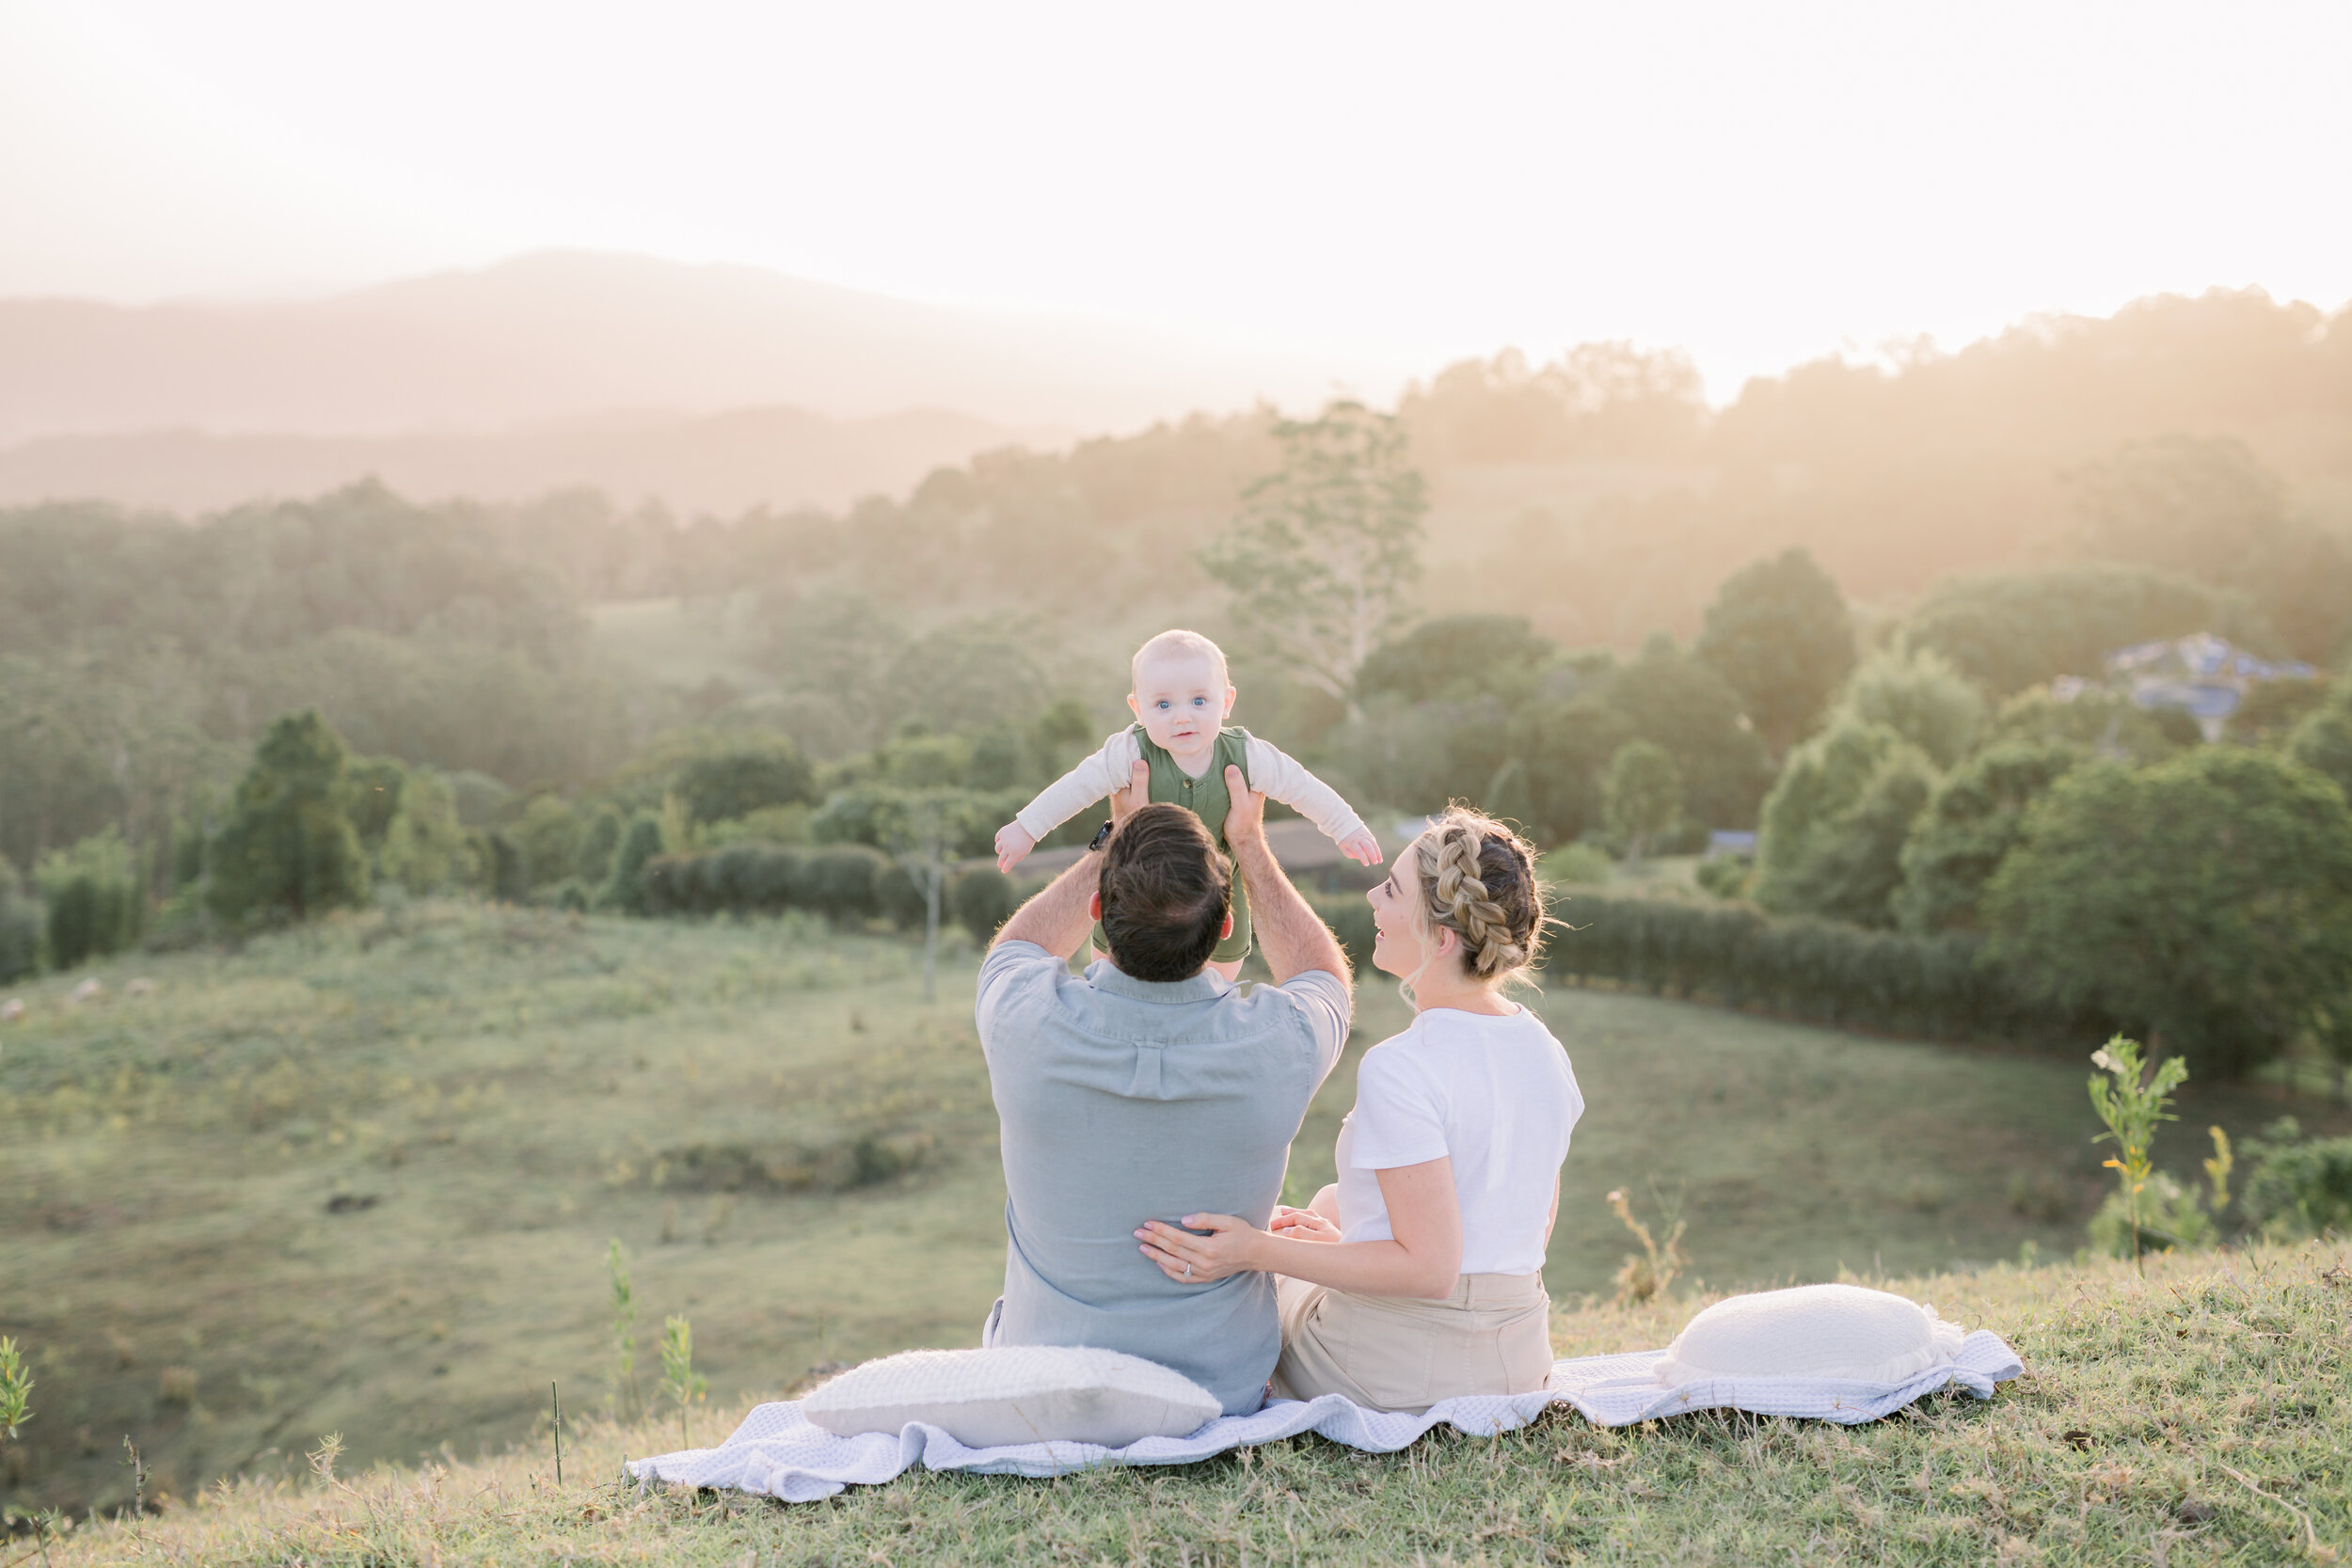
[1495, 1094]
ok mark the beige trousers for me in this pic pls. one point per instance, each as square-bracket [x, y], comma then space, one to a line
[1491, 1336]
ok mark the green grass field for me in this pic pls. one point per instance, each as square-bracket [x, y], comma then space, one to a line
[360, 1178]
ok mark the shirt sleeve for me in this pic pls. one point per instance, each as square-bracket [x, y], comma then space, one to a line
[1326, 1005]
[1009, 967]
[1090, 780]
[1398, 1118]
[1281, 777]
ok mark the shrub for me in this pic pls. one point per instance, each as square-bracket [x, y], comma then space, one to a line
[844, 881]
[2298, 1187]
[1803, 968]
[2170, 1215]
[1585, 864]
[983, 900]
[96, 904]
[625, 889]
[19, 930]
[289, 847]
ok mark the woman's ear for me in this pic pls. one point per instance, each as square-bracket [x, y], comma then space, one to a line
[1094, 906]
[1227, 929]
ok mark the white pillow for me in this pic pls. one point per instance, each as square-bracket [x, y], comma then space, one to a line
[1840, 1332]
[1014, 1394]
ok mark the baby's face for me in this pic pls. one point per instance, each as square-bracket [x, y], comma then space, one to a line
[1182, 701]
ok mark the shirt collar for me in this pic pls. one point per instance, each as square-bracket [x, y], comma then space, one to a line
[1206, 986]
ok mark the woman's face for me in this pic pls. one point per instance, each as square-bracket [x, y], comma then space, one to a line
[1396, 946]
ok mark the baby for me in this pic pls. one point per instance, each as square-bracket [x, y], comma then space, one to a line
[1181, 701]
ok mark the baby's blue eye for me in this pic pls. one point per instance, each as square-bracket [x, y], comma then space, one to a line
[1164, 702]
[1200, 702]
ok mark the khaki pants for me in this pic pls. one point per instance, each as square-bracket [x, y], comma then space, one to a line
[1491, 1336]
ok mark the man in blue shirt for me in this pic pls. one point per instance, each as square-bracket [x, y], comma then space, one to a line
[1151, 1088]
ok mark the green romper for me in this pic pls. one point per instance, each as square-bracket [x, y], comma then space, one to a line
[1208, 799]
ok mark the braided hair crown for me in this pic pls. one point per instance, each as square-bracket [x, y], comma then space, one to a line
[1478, 880]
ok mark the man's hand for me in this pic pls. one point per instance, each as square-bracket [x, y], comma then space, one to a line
[1362, 847]
[1014, 845]
[1245, 821]
[1137, 795]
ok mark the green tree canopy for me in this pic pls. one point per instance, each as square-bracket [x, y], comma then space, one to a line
[1457, 656]
[2010, 630]
[758, 770]
[1680, 702]
[1834, 823]
[289, 847]
[2323, 740]
[1972, 821]
[1642, 795]
[1919, 695]
[1779, 633]
[2207, 900]
[1326, 546]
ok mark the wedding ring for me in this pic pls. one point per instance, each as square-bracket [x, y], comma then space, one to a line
[1187, 1271]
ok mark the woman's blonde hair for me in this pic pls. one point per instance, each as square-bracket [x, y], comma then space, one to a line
[1470, 875]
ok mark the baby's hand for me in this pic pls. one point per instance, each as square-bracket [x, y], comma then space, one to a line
[1014, 845]
[1362, 847]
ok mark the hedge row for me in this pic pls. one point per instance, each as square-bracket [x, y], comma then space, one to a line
[1816, 971]
[847, 882]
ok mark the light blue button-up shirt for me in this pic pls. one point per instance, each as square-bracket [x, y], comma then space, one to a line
[1123, 1101]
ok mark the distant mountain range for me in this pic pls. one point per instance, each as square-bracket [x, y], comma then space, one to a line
[710, 384]
[719, 463]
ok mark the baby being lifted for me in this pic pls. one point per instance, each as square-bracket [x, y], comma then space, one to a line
[1181, 701]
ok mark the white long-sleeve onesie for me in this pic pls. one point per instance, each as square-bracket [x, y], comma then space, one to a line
[1272, 774]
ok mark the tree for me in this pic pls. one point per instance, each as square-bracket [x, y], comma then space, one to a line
[1778, 632]
[1319, 559]
[1972, 822]
[1916, 693]
[2322, 741]
[425, 848]
[753, 772]
[624, 887]
[1552, 780]
[288, 846]
[1457, 656]
[1834, 824]
[97, 899]
[922, 830]
[2207, 899]
[1642, 798]
[1668, 696]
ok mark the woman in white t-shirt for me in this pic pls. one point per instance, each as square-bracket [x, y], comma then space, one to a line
[1418, 1275]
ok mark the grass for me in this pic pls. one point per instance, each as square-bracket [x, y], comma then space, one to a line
[2191, 1417]
[361, 1179]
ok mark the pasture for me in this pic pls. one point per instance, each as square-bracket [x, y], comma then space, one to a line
[360, 1178]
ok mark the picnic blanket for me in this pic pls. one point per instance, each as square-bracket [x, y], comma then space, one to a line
[778, 1453]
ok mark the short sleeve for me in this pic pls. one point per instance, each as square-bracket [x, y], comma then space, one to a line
[1011, 967]
[1398, 1119]
[1323, 1002]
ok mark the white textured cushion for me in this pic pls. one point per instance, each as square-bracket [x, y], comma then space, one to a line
[1013, 1394]
[1841, 1332]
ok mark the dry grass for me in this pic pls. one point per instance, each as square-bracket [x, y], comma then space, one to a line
[2194, 1417]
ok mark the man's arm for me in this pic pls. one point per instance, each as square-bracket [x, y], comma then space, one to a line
[1294, 940]
[1059, 918]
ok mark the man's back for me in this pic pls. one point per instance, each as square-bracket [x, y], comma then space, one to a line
[1123, 1100]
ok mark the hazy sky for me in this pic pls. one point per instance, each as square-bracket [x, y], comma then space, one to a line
[1389, 187]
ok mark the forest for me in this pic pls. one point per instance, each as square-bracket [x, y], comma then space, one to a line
[1832, 612]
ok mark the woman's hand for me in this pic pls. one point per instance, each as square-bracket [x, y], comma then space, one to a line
[1191, 1259]
[1303, 1224]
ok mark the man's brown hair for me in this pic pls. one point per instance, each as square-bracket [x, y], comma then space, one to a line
[1166, 889]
